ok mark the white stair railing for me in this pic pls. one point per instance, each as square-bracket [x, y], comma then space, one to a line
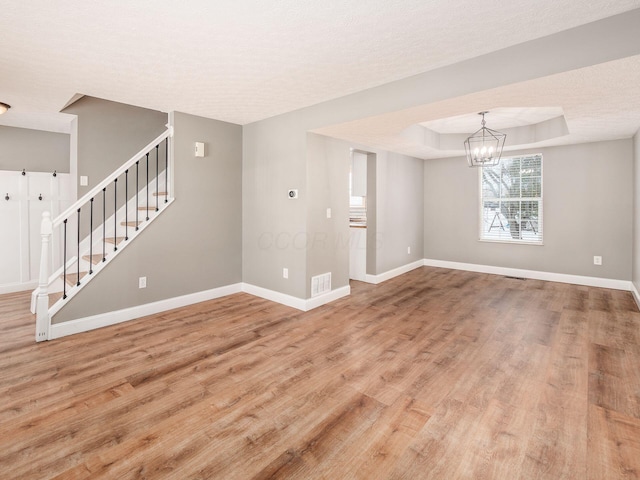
[107, 230]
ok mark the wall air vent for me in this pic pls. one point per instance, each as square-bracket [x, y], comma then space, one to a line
[320, 284]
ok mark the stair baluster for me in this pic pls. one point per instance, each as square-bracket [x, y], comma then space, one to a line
[166, 169]
[78, 261]
[137, 191]
[104, 224]
[126, 210]
[147, 186]
[157, 177]
[64, 262]
[115, 214]
[91, 237]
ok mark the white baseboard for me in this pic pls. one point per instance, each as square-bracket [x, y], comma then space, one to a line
[295, 302]
[533, 274]
[382, 277]
[112, 318]
[325, 298]
[636, 294]
[18, 287]
[282, 298]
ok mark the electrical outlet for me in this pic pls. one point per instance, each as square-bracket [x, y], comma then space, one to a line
[285, 273]
[597, 260]
[328, 213]
[142, 282]
[408, 250]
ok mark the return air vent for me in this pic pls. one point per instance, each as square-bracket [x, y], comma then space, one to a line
[320, 284]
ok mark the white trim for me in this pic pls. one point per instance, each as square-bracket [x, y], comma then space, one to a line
[112, 318]
[18, 287]
[282, 298]
[295, 302]
[320, 300]
[533, 274]
[86, 324]
[636, 294]
[383, 277]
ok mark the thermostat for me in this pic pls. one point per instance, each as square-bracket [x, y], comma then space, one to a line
[292, 193]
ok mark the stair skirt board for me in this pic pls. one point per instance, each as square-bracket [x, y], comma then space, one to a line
[86, 324]
[71, 292]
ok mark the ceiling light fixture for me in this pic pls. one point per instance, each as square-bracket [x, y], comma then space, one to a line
[4, 107]
[484, 147]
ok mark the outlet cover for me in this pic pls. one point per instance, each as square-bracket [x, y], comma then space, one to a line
[142, 282]
[285, 273]
[408, 250]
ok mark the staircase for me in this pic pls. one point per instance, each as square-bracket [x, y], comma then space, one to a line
[96, 228]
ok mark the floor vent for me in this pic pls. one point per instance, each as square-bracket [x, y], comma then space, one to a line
[515, 278]
[320, 284]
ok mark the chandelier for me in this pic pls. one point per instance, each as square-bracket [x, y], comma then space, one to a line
[484, 147]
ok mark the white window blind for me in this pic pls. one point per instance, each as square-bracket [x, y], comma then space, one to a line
[511, 200]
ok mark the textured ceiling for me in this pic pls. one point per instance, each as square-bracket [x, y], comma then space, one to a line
[245, 60]
[599, 103]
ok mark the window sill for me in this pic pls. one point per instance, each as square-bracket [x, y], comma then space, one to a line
[509, 242]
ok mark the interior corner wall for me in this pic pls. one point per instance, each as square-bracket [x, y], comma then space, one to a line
[275, 226]
[328, 187]
[399, 210]
[109, 134]
[587, 208]
[636, 211]
[33, 150]
[196, 244]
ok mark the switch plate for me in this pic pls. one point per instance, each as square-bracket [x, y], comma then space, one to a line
[597, 260]
[84, 180]
[142, 282]
[199, 152]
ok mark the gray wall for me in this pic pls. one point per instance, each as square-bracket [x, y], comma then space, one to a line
[588, 194]
[274, 227]
[109, 134]
[33, 150]
[196, 244]
[275, 150]
[328, 187]
[399, 210]
[636, 211]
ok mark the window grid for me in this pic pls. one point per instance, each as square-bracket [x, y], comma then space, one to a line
[511, 201]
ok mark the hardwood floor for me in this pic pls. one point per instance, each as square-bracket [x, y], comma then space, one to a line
[434, 374]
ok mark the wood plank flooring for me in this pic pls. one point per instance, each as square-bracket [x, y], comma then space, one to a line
[436, 374]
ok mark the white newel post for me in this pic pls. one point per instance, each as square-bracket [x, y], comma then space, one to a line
[42, 308]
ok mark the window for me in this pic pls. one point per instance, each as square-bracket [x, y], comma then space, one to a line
[511, 200]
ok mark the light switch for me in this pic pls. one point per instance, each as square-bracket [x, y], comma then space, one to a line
[84, 180]
[328, 213]
[199, 149]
